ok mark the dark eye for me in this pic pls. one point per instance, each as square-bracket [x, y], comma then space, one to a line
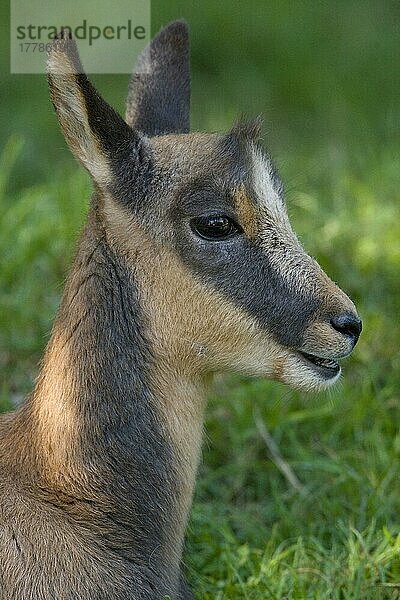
[214, 227]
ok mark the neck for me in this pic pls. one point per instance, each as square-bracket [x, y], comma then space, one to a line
[114, 428]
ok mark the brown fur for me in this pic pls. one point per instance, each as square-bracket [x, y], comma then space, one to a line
[246, 211]
[98, 468]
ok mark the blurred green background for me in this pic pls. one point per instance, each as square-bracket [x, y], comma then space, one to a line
[326, 77]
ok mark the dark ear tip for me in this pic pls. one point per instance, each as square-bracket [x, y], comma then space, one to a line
[176, 32]
[179, 25]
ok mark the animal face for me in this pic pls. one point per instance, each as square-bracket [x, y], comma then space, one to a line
[202, 223]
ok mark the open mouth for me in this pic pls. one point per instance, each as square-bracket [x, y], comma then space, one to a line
[327, 367]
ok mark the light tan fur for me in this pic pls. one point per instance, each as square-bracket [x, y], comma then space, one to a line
[55, 415]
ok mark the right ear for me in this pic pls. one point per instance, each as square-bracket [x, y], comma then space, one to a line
[159, 91]
[96, 134]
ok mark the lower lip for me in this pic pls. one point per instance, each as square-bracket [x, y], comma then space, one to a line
[328, 369]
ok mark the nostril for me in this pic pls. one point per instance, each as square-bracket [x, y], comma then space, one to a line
[347, 324]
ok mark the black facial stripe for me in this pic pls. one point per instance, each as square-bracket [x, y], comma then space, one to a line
[133, 174]
[240, 270]
[199, 197]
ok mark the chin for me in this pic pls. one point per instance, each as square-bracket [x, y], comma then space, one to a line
[307, 372]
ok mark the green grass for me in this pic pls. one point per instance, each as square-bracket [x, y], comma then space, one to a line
[326, 76]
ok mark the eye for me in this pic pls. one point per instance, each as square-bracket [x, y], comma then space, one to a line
[215, 227]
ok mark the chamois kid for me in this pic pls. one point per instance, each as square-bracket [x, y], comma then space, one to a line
[187, 266]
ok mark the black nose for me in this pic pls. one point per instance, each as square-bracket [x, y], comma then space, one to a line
[348, 324]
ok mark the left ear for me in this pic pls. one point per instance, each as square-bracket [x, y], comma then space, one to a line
[96, 134]
[159, 91]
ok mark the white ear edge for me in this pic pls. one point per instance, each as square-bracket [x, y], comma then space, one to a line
[74, 122]
[72, 113]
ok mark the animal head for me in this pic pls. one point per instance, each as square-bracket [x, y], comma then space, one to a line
[201, 222]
